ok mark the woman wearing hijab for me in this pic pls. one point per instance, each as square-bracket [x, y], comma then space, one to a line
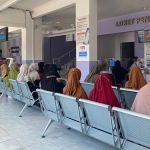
[14, 64]
[73, 86]
[91, 78]
[23, 76]
[13, 73]
[53, 67]
[136, 79]
[52, 84]
[119, 72]
[142, 101]
[41, 69]
[103, 92]
[70, 66]
[33, 74]
[4, 70]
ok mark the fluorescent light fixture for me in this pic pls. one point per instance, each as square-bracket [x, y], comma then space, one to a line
[57, 22]
[8, 4]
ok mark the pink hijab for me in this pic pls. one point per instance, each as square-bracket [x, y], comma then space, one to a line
[142, 101]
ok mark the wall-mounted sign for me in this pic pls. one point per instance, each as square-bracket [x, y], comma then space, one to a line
[83, 54]
[147, 54]
[4, 34]
[69, 37]
[133, 21]
[82, 30]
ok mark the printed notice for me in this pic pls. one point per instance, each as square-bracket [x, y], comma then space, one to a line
[82, 31]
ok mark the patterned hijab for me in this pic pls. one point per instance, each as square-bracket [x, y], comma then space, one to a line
[103, 92]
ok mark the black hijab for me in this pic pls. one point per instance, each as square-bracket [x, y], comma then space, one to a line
[49, 68]
[41, 67]
[51, 83]
[119, 72]
[46, 68]
[53, 68]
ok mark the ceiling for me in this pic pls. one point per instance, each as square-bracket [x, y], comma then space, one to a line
[30, 4]
[106, 9]
[113, 8]
[65, 19]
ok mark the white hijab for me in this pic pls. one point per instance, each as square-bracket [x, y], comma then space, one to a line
[23, 75]
[33, 74]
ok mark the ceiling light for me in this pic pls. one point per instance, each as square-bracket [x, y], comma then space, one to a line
[57, 22]
[144, 8]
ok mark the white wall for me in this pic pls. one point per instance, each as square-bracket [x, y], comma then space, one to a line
[109, 45]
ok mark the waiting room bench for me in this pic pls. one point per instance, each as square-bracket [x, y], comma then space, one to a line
[134, 129]
[20, 91]
[92, 119]
[127, 97]
[118, 127]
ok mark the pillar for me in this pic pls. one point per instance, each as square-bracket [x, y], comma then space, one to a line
[32, 40]
[86, 36]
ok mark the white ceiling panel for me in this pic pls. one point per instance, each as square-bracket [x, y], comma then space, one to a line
[2, 2]
[30, 4]
[113, 8]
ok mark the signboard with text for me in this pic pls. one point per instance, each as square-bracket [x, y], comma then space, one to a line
[4, 34]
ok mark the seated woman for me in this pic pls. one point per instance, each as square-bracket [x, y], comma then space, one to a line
[4, 70]
[33, 74]
[23, 76]
[91, 78]
[73, 86]
[136, 80]
[52, 84]
[53, 67]
[103, 92]
[13, 73]
[119, 72]
[41, 69]
[142, 101]
[69, 66]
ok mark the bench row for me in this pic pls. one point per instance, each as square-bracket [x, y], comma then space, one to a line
[118, 127]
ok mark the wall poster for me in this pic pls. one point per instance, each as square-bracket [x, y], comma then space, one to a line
[147, 55]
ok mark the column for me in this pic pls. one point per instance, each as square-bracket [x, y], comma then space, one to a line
[86, 36]
[32, 40]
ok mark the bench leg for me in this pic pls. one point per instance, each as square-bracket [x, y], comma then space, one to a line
[26, 105]
[46, 128]
[2, 95]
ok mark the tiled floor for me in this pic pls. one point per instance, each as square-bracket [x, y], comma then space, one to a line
[25, 133]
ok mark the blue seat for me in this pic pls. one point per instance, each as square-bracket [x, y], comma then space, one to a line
[26, 95]
[134, 128]
[88, 87]
[70, 114]
[99, 122]
[3, 88]
[15, 90]
[48, 107]
[117, 93]
[128, 96]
